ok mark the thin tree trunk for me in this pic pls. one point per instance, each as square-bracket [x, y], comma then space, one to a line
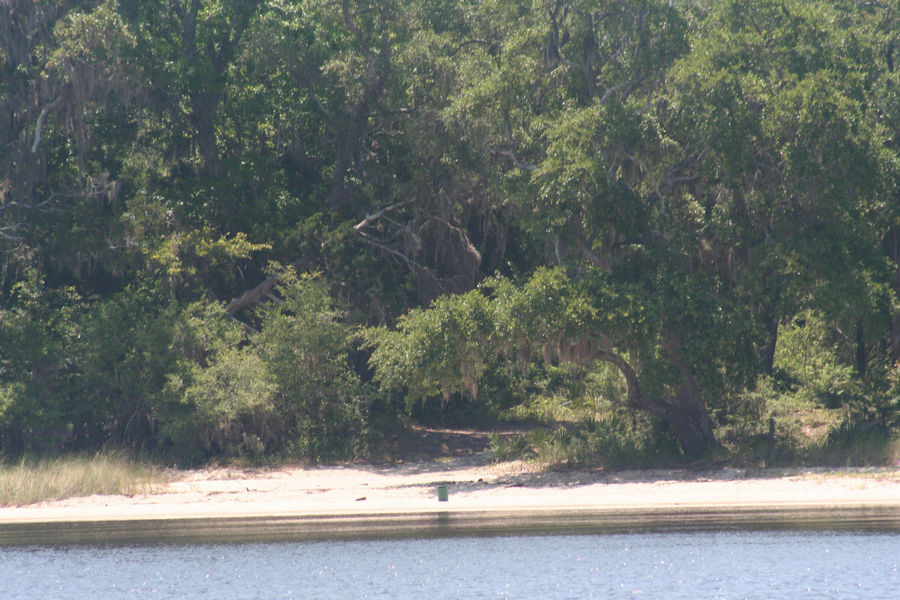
[767, 352]
[862, 356]
[372, 87]
[349, 146]
[892, 242]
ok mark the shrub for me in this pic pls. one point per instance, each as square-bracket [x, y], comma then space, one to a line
[305, 344]
[806, 357]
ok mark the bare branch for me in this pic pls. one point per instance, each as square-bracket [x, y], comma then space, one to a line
[415, 268]
[396, 111]
[510, 151]
[521, 164]
[672, 178]
[378, 215]
[627, 86]
[40, 123]
[8, 233]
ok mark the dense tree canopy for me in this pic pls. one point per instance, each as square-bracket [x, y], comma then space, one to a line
[242, 227]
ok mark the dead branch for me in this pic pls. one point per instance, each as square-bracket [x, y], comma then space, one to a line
[253, 296]
[40, 123]
[378, 215]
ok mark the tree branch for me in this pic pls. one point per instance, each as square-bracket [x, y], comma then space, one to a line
[635, 394]
[374, 217]
[252, 297]
[354, 29]
[40, 123]
[459, 48]
[521, 164]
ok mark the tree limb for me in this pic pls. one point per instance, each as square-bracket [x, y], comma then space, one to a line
[458, 48]
[521, 164]
[40, 123]
[374, 217]
[252, 297]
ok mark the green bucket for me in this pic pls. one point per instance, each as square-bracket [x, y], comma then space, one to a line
[442, 493]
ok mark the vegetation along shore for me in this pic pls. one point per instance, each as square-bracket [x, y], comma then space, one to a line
[591, 236]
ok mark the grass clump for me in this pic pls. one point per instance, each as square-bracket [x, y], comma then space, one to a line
[38, 480]
[509, 447]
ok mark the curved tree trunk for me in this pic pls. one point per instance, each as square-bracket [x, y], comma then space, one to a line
[688, 417]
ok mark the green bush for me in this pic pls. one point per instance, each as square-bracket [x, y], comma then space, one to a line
[858, 441]
[221, 397]
[807, 360]
[822, 411]
[438, 353]
[607, 438]
[287, 389]
[304, 344]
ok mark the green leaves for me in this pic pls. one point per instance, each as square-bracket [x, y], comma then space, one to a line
[304, 344]
[439, 351]
[672, 181]
[445, 350]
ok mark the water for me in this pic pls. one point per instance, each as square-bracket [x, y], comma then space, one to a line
[726, 564]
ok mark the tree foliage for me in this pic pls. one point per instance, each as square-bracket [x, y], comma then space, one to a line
[486, 190]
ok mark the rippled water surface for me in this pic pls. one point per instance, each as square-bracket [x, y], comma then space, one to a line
[761, 564]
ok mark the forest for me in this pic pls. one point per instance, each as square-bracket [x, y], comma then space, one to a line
[648, 230]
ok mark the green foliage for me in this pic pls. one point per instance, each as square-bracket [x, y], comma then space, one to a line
[220, 397]
[540, 316]
[119, 367]
[30, 348]
[187, 263]
[508, 447]
[701, 194]
[821, 411]
[287, 389]
[859, 441]
[304, 344]
[612, 440]
[437, 352]
[807, 361]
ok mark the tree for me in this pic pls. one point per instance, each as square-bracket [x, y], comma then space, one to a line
[796, 169]
[580, 148]
[66, 83]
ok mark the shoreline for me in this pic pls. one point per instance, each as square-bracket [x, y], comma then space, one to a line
[450, 523]
[355, 502]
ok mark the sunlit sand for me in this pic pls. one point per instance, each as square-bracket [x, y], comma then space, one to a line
[474, 485]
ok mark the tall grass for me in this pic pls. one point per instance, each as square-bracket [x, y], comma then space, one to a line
[31, 481]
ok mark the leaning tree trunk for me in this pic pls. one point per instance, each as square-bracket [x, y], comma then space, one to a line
[690, 419]
[687, 417]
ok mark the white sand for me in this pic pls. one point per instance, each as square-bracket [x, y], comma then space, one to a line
[475, 485]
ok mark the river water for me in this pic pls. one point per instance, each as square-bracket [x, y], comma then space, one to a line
[672, 565]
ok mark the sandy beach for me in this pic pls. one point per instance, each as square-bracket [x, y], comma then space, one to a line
[403, 498]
